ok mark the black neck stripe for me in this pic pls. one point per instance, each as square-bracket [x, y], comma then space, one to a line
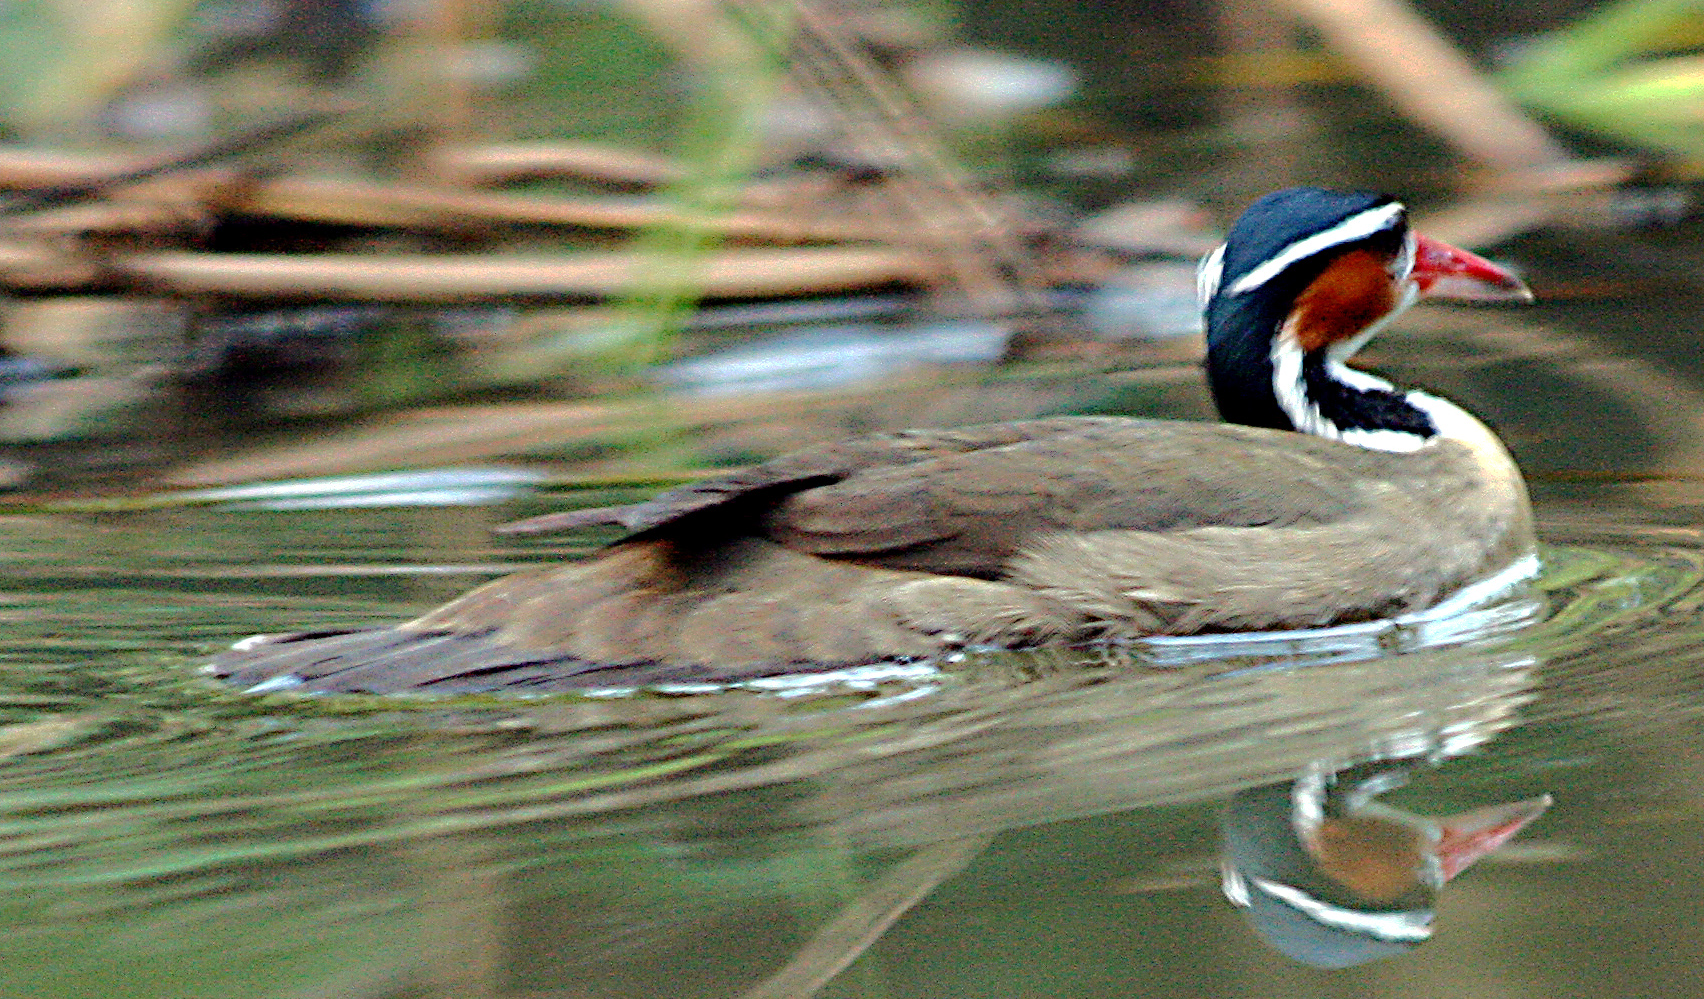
[1351, 408]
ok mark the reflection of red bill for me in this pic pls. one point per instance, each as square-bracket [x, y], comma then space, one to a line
[1465, 838]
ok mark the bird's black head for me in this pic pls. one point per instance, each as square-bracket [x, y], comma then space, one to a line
[1284, 245]
[1304, 279]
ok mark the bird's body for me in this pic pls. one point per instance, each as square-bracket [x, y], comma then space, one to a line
[1058, 530]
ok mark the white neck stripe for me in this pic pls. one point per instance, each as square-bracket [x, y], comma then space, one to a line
[1355, 227]
[1290, 391]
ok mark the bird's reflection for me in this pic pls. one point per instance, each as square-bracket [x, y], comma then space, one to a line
[1333, 877]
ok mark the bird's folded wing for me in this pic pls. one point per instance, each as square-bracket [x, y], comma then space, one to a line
[749, 492]
[969, 513]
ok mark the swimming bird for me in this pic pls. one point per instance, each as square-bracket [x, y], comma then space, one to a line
[1328, 496]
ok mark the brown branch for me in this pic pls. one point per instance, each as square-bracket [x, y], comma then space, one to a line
[862, 922]
[728, 273]
[1429, 80]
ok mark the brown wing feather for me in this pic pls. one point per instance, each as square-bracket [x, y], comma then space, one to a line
[733, 500]
[968, 513]
[965, 501]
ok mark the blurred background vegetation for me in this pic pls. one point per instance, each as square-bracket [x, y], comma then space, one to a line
[252, 238]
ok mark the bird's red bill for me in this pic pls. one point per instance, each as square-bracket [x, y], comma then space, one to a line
[1467, 837]
[1445, 271]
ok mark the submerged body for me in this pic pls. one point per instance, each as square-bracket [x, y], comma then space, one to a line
[1061, 530]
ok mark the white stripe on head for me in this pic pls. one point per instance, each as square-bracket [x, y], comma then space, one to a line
[1207, 274]
[1356, 227]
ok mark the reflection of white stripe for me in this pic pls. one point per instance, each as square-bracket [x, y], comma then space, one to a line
[1232, 883]
[1349, 230]
[1407, 927]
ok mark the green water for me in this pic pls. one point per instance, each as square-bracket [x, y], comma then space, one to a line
[1016, 826]
[160, 836]
[1034, 826]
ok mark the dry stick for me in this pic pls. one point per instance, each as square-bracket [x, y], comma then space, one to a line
[935, 191]
[202, 155]
[862, 922]
[377, 203]
[739, 272]
[501, 162]
[370, 203]
[935, 197]
[1430, 81]
[759, 272]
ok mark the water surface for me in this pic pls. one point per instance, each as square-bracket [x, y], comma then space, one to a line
[1020, 825]
[161, 836]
